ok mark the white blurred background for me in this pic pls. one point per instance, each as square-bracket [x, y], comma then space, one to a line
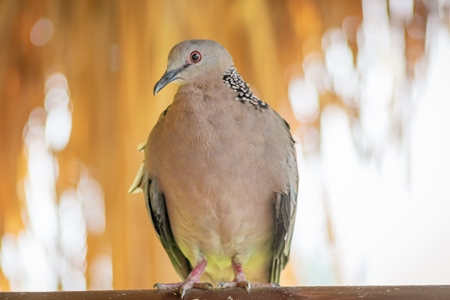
[375, 170]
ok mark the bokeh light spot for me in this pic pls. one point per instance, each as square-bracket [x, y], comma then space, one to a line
[42, 32]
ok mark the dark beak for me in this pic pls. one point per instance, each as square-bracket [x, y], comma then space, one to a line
[168, 77]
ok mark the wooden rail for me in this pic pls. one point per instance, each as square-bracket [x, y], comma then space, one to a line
[293, 293]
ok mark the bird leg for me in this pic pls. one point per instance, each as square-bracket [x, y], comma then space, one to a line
[239, 279]
[192, 281]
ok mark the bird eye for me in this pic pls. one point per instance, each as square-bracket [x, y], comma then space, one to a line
[195, 56]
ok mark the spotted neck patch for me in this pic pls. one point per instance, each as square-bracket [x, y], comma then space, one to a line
[244, 94]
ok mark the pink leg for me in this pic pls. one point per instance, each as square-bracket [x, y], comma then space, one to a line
[239, 279]
[192, 281]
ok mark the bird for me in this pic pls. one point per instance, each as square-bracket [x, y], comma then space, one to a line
[219, 175]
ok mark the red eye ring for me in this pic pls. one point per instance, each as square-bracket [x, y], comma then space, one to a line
[195, 57]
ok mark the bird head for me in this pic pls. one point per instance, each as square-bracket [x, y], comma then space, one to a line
[191, 60]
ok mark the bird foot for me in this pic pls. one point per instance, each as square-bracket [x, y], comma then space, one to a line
[227, 284]
[244, 284]
[184, 286]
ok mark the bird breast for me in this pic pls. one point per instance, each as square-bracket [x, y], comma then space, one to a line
[212, 156]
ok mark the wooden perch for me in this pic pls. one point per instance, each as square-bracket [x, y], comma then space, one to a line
[295, 293]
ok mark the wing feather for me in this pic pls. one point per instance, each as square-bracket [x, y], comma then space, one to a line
[156, 207]
[285, 210]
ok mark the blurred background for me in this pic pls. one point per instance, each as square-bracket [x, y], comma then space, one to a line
[364, 84]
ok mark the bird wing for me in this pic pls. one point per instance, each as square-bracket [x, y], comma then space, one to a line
[156, 207]
[285, 209]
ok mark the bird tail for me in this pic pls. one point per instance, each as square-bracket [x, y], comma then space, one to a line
[136, 185]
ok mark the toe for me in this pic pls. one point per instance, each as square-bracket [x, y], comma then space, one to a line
[265, 284]
[204, 285]
[226, 284]
[167, 286]
[184, 288]
[246, 285]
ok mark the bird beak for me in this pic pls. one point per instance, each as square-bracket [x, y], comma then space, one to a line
[168, 77]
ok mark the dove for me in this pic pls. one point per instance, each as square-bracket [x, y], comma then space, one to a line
[220, 175]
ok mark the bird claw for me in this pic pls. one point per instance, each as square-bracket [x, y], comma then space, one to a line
[203, 285]
[244, 284]
[198, 285]
[227, 284]
[183, 290]
[184, 286]
[167, 286]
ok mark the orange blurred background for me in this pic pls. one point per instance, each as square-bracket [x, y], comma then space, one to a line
[76, 81]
